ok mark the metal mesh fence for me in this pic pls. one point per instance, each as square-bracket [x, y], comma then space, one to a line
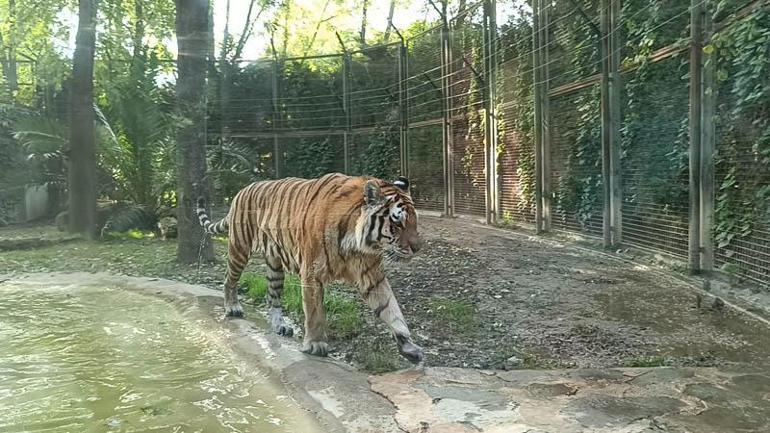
[515, 118]
[311, 94]
[466, 101]
[742, 135]
[426, 167]
[420, 106]
[374, 76]
[310, 156]
[424, 75]
[576, 170]
[655, 157]
[375, 153]
[572, 50]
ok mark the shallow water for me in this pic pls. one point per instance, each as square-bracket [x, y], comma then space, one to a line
[100, 359]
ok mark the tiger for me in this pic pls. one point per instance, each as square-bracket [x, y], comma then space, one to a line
[332, 228]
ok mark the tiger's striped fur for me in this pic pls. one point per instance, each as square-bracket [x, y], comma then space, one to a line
[332, 228]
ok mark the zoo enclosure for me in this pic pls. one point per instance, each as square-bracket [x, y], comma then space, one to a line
[639, 122]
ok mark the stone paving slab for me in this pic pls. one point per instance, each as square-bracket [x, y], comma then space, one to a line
[633, 400]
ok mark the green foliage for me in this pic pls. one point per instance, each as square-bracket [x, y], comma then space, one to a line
[381, 156]
[313, 157]
[743, 128]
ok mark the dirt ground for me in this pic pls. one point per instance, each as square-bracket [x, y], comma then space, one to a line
[482, 297]
[476, 296]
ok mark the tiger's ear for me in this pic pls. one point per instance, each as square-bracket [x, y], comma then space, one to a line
[372, 192]
[402, 183]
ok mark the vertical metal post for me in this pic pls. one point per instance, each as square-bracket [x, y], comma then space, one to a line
[545, 116]
[707, 150]
[276, 118]
[346, 108]
[403, 102]
[696, 107]
[446, 107]
[538, 121]
[615, 89]
[604, 51]
[490, 101]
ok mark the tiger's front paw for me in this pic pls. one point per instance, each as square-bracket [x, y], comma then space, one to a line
[285, 330]
[411, 351]
[234, 310]
[316, 348]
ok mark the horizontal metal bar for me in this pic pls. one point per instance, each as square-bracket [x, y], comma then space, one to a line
[317, 56]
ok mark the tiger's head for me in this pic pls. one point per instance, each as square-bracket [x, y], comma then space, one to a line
[389, 220]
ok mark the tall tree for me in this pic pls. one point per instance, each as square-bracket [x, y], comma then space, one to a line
[82, 155]
[11, 73]
[362, 33]
[192, 40]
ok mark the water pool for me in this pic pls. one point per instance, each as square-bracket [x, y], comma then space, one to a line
[95, 359]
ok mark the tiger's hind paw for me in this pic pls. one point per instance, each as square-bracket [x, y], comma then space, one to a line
[234, 310]
[316, 348]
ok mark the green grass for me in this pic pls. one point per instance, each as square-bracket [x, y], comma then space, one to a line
[507, 221]
[453, 312]
[343, 313]
[652, 361]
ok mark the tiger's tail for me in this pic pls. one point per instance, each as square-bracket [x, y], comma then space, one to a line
[216, 228]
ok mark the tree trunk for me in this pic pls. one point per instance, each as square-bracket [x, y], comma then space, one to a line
[192, 39]
[462, 9]
[82, 158]
[390, 21]
[247, 29]
[143, 156]
[212, 55]
[12, 73]
[224, 84]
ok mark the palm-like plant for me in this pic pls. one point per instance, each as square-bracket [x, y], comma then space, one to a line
[234, 164]
[46, 141]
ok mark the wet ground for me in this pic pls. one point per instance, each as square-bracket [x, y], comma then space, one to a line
[482, 297]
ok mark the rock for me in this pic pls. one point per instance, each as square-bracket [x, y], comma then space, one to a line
[512, 363]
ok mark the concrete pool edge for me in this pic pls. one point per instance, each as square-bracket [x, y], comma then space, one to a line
[449, 400]
[334, 393]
